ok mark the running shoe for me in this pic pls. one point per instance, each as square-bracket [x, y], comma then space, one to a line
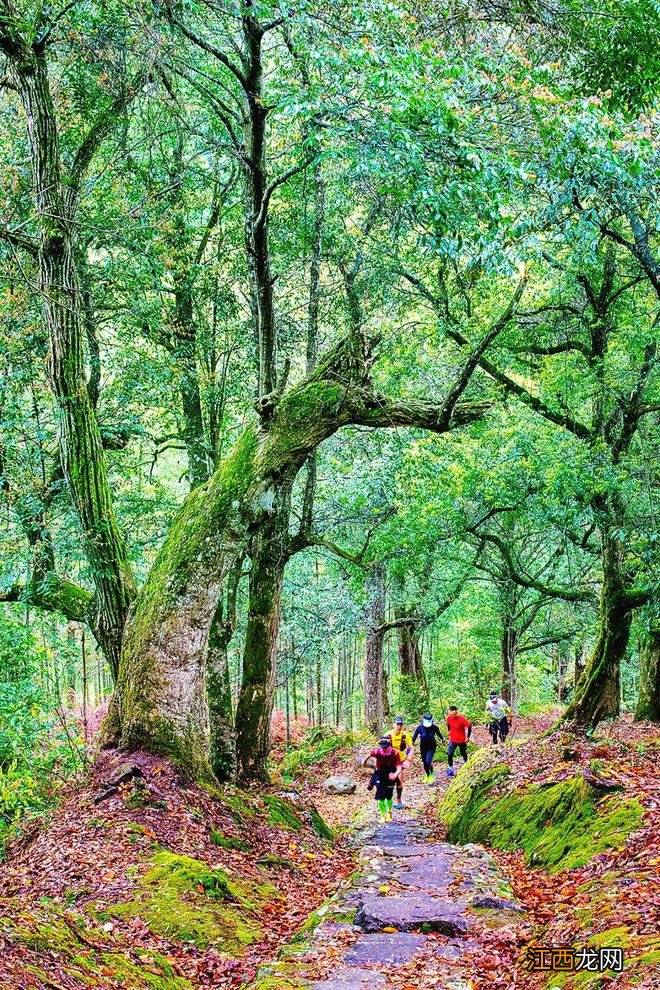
[399, 805]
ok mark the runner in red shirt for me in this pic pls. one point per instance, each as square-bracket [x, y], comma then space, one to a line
[460, 730]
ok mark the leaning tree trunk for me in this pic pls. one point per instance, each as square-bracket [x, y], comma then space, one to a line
[81, 450]
[255, 703]
[374, 708]
[160, 699]
[648, 701]
[598, 692]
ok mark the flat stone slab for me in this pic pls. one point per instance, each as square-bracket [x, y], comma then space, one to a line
[407, 912]
[496, 903]
[351, 978]
[388, 948]
[432, 872]
[403, 852]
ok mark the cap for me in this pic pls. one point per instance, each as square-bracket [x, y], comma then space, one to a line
[384, 741]
[427, 720]
[399, 720]
[494, 694]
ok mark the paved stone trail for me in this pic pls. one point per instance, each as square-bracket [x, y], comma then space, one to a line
[414, 909]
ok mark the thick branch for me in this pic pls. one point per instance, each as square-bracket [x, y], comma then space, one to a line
[53, 594]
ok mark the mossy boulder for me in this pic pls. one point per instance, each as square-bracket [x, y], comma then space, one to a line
[558, 825]
[185, 899]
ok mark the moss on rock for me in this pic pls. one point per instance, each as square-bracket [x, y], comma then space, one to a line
[185, 899]
[558, 825]
[320, 826]
[282, 813]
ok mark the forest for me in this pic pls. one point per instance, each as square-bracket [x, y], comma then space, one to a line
[329, 391]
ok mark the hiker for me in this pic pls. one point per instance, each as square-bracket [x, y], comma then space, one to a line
[402, 742]
[388, 767]
[427, 732]
[460, 730]
[499, 714]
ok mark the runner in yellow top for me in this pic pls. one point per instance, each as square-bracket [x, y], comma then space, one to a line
[402, 742]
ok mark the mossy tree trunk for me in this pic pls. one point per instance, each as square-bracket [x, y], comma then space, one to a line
[218, 684]
[160, 700]
[408, 651]
[648, 701]
[597, 696]
[56, 198]
[255, 703]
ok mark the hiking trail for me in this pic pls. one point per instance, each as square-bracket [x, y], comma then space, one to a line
[415, 905]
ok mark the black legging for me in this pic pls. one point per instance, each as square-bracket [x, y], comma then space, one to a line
[499, 726]
[451, 749]
[427, 754]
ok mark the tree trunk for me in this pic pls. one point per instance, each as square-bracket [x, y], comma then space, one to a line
[218, 685]
[184, 352]
[580, 665]
[410, 655]
[598, 693]
[374, 675]
[509, 655]
[648, 702]
[160, 702]
[81, 450]
[255, 703]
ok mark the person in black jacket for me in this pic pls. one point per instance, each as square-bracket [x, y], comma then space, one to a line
[428, 733]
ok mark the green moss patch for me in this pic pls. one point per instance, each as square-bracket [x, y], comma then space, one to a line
[282, 813]
[320, 826]
[227, 841]
[185, 899]
[559, 825]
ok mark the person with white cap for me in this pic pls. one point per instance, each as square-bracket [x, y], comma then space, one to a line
[499, 714]
[427, 732]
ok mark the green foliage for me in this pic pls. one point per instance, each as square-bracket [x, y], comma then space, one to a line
[39, 754]
[311, 751]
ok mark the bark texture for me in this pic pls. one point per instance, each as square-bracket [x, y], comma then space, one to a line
[648, 702]
[597, 695]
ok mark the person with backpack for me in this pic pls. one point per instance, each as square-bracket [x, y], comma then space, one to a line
[427, 732]
[460, 730]
[388, 767]
[499, 714]
[402, 742]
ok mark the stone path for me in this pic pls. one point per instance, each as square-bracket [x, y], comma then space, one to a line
[413, 909]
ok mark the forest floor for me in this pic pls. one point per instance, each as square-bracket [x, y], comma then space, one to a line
[155, 883]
